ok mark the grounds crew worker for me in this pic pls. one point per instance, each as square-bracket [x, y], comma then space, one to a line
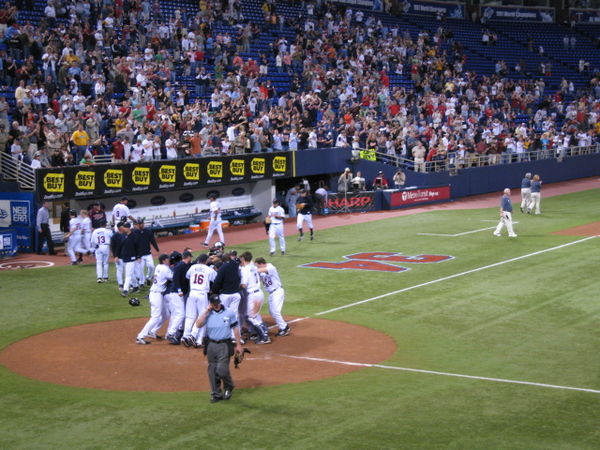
[218, 347]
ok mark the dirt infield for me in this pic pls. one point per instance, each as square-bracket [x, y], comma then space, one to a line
[590, 229]
[104, 356]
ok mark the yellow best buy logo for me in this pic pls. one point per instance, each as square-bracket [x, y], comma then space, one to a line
[215, 169]
[191, 171]
[279, 163]
[141, 175]
[237, 167]
[85, 180]
[258, 165]
[113, 178]
[54, 182]
[166, 174]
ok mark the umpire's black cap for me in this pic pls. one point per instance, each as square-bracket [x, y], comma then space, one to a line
[214, 299]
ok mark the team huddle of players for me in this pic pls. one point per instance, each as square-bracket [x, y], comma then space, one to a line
[181, 287]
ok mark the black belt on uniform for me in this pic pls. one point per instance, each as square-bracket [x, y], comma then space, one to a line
[222, 341]
[255, 292]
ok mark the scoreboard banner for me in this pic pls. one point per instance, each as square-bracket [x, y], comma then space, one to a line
[80, 182]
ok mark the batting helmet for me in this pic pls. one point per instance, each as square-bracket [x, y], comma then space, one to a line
[175, 257]
[134, 301]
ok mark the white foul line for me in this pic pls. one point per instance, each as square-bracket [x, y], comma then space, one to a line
[456, 275]
[458, 234]
[447, 374]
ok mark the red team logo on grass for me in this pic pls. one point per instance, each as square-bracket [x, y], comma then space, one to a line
[378, 261]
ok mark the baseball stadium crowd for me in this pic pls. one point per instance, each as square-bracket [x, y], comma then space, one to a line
[103, 78]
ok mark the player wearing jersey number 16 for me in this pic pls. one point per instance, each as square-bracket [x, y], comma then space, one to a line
[200, 276]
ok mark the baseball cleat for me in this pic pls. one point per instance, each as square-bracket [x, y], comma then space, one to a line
[284, 332]
[312, 237]
[186, 342]
[148, 282]
[282, 253]
[227, 394]
[154, 336]
[135, 290]
[172, 340]
[99, 280]
[300, 238]
[215, 399]
[512, 235]
[263, 341]
[205, 244]
[141, 341]
[497, 234]
[105, 280]
[124, 293]
[272, 253]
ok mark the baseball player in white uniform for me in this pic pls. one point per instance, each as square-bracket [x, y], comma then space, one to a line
[200, 276]
[120, 213]
[100, 242]
[73, 236]
[272, 283]
[215, 221]
[276, 215]
[304, 206]
[86, 232]
[158, 307]
[251, 283]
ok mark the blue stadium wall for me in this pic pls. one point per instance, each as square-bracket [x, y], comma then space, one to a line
[467, 182]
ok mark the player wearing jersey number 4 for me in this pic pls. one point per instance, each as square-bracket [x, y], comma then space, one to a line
[251, 283]
[158, 310]
[272, 283]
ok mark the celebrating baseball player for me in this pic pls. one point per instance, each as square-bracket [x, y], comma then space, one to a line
[73, 236]
[158, 311]
[255, 298]
[272, 283]
[128, 252]
[276, 215]
[177, 296]
[100, 241]
[227, 283]
[200, 276]
[86, 232]
[304, 205]
[505, 215]
[120, 213]
[215, 221]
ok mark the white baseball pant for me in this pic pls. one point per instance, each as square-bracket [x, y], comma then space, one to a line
[156, 315]
[534, 204]
[232, 301]
[146, 263]
[130, 279]
[101, 254]
[86, 242]
[119, 266]
[505, 220]
[197, 303]
[72, 246]
[177, 310]
[276, 229]
[525, 198]
[214, 225]
[255, 301]
[276, 299]
[79, 246]
[304, 218]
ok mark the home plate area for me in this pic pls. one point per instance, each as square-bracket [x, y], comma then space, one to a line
[104, 355]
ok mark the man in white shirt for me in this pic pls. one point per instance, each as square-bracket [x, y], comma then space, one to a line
[272, 283]
[100, 242]
[275, 218]
[120, 213]
[215, 221]
[158, 311]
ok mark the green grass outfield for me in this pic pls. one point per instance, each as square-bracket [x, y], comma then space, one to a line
[532, 319]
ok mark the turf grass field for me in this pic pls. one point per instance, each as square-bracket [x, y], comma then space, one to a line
[532, 316]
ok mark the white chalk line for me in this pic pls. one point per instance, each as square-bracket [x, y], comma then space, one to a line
[433, 372]
[464, 233]
[456, 275]
[447, 374]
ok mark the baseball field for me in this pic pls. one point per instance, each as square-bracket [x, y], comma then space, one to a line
[490, 342]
